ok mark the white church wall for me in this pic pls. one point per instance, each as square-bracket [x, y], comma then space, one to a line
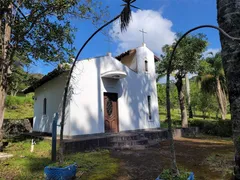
[53, 92]
[149, 86]
[87, 106]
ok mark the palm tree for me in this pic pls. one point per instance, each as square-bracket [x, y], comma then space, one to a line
[125, 17]
[212, 79]
[228, 19]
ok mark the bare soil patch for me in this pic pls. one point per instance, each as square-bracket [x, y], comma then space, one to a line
[208, 157]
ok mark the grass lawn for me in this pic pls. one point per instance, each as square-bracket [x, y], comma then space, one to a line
[26, 165]
[209, 157]
[19, 107]
[20, 112]
[176, 116]
[197, 115]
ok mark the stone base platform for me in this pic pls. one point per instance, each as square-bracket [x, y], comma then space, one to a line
[138, 139]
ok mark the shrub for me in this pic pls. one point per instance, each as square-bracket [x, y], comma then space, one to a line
[14, 101]
[217, 128]
[166, 175]
[177, 123]
[222, 128]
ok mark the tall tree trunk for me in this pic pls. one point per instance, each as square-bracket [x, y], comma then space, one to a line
[2, 100]
[5, 36]
[229, 20]
[174, 168]
[217, 112]
[190, 112]
[222, 100]
[181, 98]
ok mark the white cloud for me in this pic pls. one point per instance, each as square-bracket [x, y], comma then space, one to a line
[211, 52]
[158, 31]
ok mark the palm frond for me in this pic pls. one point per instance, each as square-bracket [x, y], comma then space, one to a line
[208, 83]
[126, 14]
[135, 7]
[125, 17]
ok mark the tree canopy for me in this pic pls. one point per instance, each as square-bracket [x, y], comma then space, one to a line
[186, 60]
[39, 30]
[187, 56]
[42, 29]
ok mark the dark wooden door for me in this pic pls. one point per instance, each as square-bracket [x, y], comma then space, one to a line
[111, 112]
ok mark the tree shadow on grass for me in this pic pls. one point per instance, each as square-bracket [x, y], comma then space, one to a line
[23, 137]
[34, 168]
[24, 167]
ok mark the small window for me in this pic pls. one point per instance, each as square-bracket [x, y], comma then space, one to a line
[146, 66]
[44, 106]
[149, 107]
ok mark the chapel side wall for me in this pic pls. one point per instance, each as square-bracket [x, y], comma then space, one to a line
[53, 92]
[86, 103]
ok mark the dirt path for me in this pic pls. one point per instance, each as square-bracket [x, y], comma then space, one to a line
[208, 157]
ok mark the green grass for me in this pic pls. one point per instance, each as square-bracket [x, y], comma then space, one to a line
[176, 117]
[175, 114]
[222, 163]
[96, 165]
[18, 107]
[166, 175]
[20, 112]
[26, 165]
[12, 101]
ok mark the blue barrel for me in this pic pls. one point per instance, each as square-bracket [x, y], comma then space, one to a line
[66, 173]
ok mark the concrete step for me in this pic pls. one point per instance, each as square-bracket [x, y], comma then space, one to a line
[127, 137]
[142, 141]
[127, 147]
[162, 135]
[119, 141]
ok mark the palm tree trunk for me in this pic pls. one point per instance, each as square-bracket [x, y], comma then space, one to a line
[229, 20]
[222, 100]
[190, 112]
[181, 98]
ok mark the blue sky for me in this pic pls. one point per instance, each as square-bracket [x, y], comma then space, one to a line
[160, 18]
